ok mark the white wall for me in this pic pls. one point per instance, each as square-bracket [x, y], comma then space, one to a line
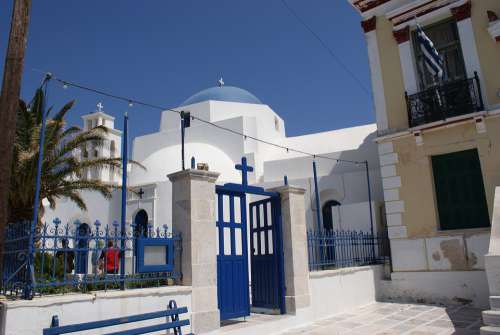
[338, 291]
[29, 317]
[98, 208]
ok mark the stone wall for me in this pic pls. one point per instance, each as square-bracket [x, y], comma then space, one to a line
[436, 287]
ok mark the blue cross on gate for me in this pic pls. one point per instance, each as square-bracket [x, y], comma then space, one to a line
[245, 168]
[141, 193]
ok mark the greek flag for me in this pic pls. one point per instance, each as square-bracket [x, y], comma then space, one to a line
[432, 59]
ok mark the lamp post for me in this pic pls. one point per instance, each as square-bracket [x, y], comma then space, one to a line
[124, 199]
[185, 123]
[370, 206]
[316, 190]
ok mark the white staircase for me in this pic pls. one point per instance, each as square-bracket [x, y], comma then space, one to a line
[491, 318]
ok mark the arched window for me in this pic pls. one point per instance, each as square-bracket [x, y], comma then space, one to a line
[328, 217]
[112, 149]
[112, 153]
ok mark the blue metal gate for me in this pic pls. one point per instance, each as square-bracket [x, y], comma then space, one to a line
[232, 257]
[266, 248]
[268, 289]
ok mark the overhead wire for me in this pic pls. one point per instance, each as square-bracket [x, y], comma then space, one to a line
[326, 47]
[134, 101]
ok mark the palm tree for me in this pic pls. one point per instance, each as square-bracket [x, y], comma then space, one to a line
[62, 170]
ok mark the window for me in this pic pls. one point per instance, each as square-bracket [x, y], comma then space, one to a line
[459, 187]
[445, 37]
[89, 124]
[331, 215]
[112, 149]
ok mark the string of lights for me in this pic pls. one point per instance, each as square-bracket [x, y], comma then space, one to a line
[133, 101]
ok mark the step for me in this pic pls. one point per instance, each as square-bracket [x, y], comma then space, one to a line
[491, 318]
[495, 302]
[489, 330]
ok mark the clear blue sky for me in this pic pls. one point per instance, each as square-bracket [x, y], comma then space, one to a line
[165, 51]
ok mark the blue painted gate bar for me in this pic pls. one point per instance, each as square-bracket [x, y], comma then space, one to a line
[232, 257]
[265, 249]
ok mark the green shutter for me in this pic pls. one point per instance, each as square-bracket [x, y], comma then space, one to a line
[459, 186]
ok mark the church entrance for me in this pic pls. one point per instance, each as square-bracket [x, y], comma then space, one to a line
[140, 230]
[82, 248]
[266, 250]
[141, 224]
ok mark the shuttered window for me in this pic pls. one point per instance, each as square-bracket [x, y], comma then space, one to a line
[459, 187]
[444, 36]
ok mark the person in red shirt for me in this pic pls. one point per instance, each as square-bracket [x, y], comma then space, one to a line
[111, 259]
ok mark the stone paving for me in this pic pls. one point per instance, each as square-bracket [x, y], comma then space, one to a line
[397, 319]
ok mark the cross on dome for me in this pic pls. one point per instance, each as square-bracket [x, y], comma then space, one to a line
[244, 168]
[220, 82]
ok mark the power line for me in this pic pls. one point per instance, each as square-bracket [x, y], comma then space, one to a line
[162, 108]
[327, 48]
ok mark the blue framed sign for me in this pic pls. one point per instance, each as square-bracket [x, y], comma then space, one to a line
[155, 255]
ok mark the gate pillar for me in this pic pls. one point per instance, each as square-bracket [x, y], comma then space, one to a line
[193, 215]
[293, 214]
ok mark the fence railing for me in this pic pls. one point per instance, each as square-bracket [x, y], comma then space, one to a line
[444, 101]
[338, 249]
[59, 258]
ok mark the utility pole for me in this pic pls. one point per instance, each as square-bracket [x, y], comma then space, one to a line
[9, 102]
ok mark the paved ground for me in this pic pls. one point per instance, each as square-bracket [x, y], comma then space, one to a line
[393, 318]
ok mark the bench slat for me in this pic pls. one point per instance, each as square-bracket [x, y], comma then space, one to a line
[113, 322]
[150, 329]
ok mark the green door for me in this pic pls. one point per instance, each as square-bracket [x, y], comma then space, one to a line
[459, 186]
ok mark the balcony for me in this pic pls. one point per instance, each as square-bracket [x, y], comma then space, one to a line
[444, 101]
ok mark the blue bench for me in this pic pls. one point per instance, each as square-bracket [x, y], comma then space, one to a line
[171, 312]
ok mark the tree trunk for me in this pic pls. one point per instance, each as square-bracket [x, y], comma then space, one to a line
[9, 103]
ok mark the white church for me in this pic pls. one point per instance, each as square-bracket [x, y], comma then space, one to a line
[343, 188]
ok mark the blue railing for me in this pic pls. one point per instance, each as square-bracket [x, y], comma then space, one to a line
[59, 258]
[340, 249]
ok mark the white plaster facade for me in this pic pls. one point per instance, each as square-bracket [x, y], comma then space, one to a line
[160, 153]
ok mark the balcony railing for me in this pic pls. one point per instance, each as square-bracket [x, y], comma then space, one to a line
[444, 101]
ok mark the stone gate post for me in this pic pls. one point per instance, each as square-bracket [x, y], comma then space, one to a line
[193, 215]
[491, 318]
[293, 215]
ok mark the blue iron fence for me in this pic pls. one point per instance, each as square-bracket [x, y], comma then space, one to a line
[339, 249]
[57, 258]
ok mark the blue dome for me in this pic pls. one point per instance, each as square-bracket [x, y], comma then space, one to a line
[223, 93]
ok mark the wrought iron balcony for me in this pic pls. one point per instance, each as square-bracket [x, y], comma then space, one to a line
[444, 101]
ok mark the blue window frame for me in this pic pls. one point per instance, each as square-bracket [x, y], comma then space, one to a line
[155, 255]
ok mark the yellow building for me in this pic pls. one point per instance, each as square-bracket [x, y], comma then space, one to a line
[439, 141]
